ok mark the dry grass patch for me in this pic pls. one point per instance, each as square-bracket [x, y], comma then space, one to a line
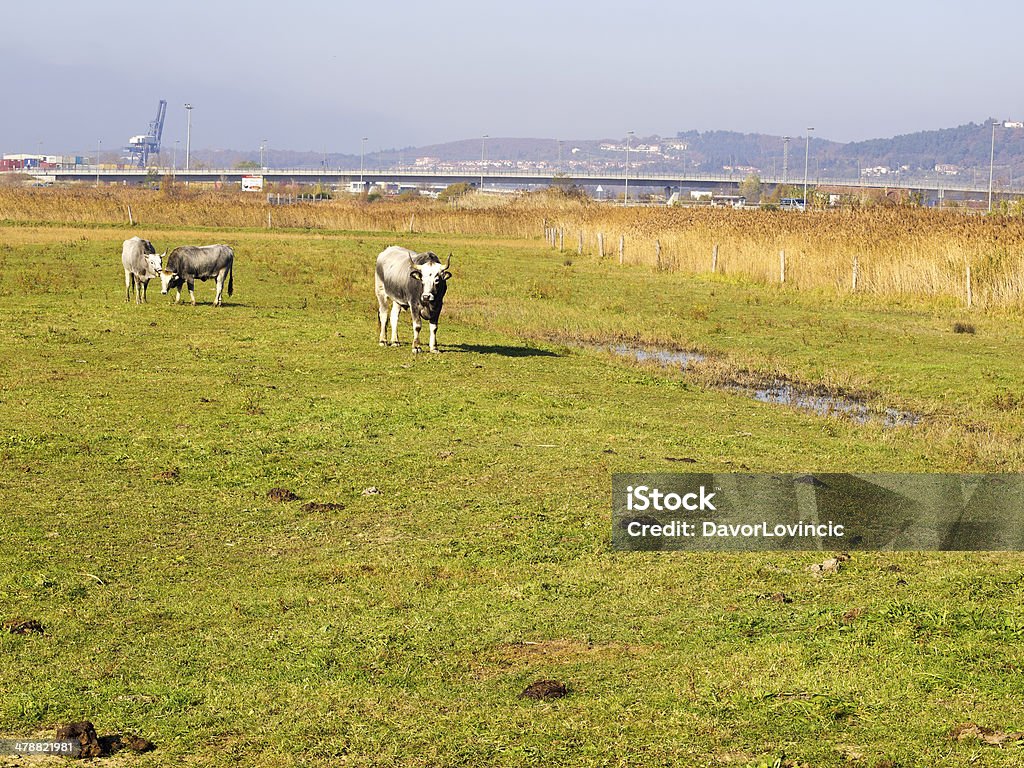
[510, 657]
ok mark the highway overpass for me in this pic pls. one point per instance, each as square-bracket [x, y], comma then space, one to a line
[932, 185]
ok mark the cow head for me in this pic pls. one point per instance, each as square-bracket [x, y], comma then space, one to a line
[154, 262]
[170, 279]
[433, 277]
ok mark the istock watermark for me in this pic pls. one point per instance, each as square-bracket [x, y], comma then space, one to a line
[753, 512]
[39, 747]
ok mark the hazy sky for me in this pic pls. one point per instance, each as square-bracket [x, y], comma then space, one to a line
[316, 75]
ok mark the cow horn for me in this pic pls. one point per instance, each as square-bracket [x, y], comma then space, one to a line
[449, 262]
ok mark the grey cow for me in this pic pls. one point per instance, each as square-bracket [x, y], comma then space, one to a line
[188, 263]
[141, 264]
[413, 281]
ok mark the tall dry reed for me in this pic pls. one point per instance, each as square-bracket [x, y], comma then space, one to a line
[897, 251]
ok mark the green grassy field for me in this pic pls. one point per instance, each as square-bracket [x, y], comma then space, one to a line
[138, 446]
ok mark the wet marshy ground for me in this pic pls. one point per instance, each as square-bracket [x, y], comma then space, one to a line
[818, 401]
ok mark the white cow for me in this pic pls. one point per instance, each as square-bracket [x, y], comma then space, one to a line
[413, 281]
[141, 264]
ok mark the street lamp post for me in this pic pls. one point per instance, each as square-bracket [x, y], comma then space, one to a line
[785, 159]
[188, 136]
[362, 150]
[625, 195]
[98, 144]
[991, 164]
[483, 158]
[807, 155]
[262, 143]
[992, 156]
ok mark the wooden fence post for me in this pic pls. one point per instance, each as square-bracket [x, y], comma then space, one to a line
[622, 247]
[579, 248]
[856, 271]
[714, 259]
[657, 254]
[131, 219]
[782, 266]
[970, 295]
[600, 245]
[268, 219]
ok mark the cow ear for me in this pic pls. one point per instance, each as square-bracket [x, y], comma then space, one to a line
[446, 275]
[417, 274]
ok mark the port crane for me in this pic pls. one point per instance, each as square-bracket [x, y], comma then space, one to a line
[141, 147]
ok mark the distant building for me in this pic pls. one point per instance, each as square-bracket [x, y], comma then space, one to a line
[728, 201]
[653, 149]
[747, 169]
[13, 162]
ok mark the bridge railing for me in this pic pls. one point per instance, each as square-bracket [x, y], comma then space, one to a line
[500, 175]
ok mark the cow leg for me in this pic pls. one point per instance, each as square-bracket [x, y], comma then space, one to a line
[129, 281]
[382, 314]
[433, 337]
[396, 310]
[192, 291]
[416, 325]
[220, 289]
[177, 296]
[382, 307]
[138, 289]
[145, 289]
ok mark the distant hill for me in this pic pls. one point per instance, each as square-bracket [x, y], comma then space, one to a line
[962, 151]
[964, 148]
[967, 146]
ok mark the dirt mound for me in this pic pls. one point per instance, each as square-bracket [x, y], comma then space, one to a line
[322, 506]
[281, 494]
[91, 745]
[542, 690]
[24, 627]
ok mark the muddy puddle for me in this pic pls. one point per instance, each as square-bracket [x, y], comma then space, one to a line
[832, 405]
[777, 392]
[666, 357]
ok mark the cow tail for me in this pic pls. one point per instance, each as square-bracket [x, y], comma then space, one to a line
[231, 279]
